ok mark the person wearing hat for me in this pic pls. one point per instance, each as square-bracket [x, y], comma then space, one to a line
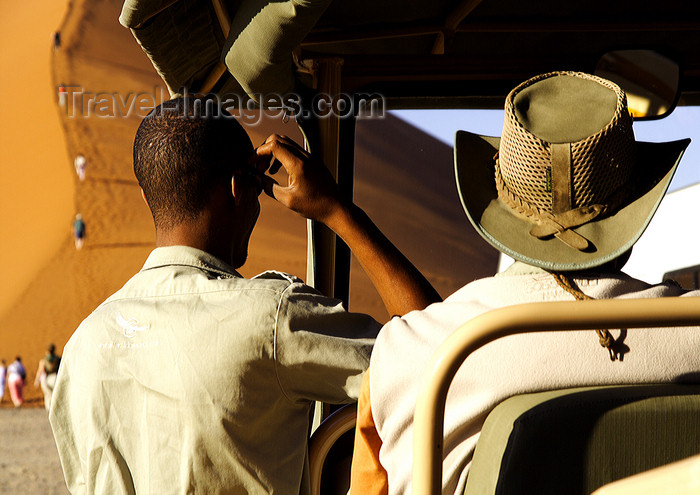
[566, 191]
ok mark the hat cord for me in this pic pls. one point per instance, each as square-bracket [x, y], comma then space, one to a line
[569, 285]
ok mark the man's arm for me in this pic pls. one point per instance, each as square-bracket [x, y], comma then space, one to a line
[312, 192]
[367, 475]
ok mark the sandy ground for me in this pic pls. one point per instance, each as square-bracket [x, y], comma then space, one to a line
[403, 180]
[30, 465]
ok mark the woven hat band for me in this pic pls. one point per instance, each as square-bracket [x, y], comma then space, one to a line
[549, 174]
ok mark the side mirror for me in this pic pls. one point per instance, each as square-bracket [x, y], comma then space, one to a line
[649, 79]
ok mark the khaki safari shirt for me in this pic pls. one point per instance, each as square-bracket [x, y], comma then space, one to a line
[193, 379]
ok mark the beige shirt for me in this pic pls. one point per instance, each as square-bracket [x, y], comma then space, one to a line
[192, 379]
[509, 366]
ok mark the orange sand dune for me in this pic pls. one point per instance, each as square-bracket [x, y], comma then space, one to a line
[47, 286]
[36, 187]
[404, 181]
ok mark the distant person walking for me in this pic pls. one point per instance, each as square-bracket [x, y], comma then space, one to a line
[56, 40]
[62, 95]
[3, 376]
[78, 231]
[46, 373]
[16, 375]
[80, 164]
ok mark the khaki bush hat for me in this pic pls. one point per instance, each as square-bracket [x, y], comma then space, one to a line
[566, 187]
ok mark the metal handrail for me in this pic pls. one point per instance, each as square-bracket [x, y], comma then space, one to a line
[428, 418]
[324, 438]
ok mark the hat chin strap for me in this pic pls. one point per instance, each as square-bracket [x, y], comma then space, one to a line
[605, 338]
[560, 225]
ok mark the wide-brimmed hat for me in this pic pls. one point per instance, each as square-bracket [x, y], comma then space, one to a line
[566, 187]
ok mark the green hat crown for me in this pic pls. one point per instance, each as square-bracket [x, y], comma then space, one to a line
[567, 150]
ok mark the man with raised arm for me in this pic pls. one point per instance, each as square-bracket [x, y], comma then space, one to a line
[191, 378]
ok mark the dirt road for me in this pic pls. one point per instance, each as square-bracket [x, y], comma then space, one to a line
[29, 462]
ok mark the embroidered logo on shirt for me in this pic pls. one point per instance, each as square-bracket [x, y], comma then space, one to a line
[130, 327]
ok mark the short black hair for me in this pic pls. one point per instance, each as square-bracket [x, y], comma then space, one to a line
[182, 150]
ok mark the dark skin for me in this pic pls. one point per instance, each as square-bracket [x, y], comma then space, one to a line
[224, 226]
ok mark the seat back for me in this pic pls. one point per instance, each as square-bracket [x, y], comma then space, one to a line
[678, 478]
[575, 441]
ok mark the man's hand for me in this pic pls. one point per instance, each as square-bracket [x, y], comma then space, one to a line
[310, 191]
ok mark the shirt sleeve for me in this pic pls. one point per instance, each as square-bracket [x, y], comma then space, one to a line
[367, 476]
[66, 437]
[321, 350]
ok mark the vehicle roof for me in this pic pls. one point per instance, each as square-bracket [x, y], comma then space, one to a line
[443, 47]
[432, 52]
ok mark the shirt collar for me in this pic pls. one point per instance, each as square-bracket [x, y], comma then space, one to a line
[188, 256]
[520, 268]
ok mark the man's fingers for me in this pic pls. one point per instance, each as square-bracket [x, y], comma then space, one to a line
[284, 142]
[279, 138]
[282, 154]
[275, 191]
[276, 141]
[264, 163]
[268, 184]
[273, 137]
[283, 139]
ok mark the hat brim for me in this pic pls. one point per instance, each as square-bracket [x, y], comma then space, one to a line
[610, 236]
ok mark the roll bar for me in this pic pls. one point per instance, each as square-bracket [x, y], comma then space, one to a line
[524, 318]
